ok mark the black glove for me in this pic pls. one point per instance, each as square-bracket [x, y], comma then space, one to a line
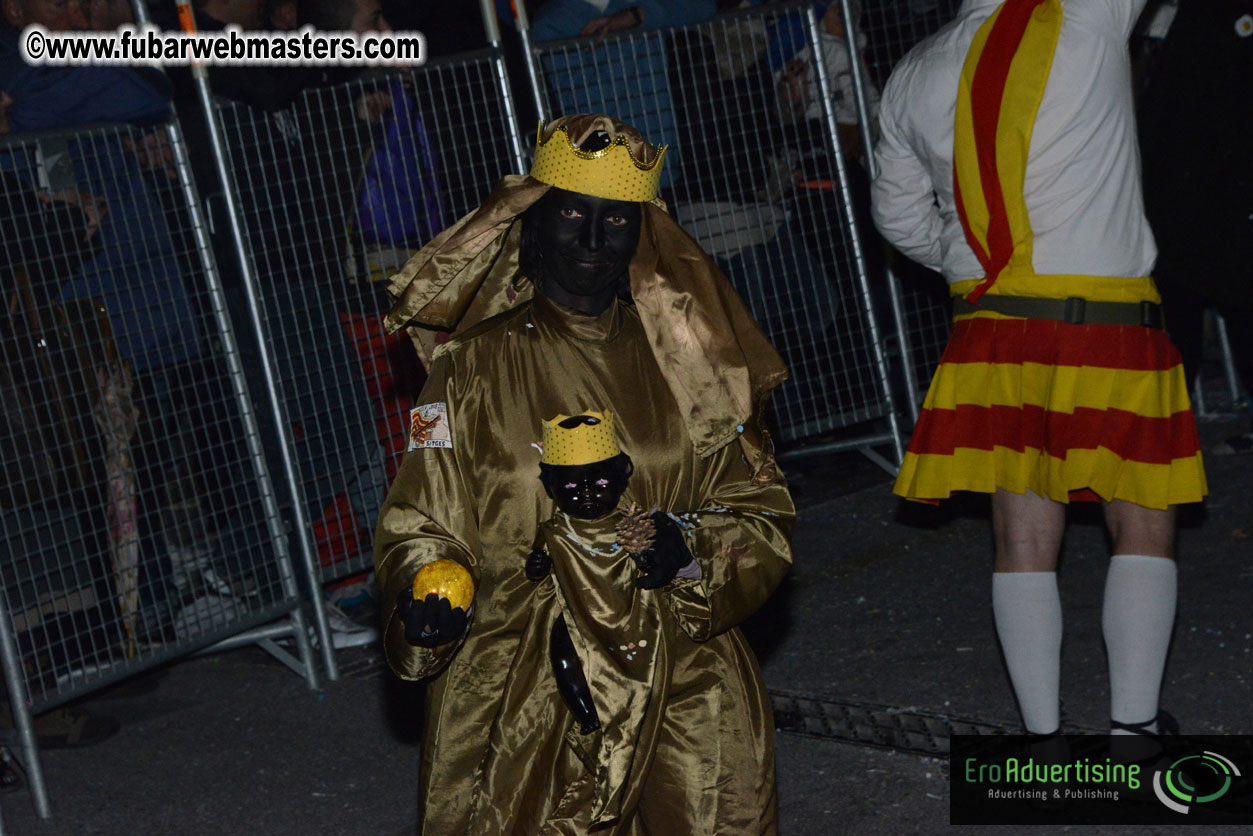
[661, 561]
[431, 622]
[538, 564]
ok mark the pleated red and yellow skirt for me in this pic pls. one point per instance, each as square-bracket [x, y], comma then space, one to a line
[1071, 412]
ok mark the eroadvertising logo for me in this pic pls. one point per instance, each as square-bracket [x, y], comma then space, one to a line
[1194, 779]
[1098, 779]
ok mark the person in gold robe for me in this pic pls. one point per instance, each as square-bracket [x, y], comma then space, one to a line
[567, 288]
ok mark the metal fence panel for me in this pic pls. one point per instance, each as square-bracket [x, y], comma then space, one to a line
[337, 191]
[893, 27]
[135, 525]
[761, 194]
[920, 301]
[1231, 398]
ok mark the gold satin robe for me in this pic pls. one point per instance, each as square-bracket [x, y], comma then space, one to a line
[687, 744]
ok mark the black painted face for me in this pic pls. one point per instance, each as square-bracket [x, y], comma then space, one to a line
[585, 247]
[587, 491]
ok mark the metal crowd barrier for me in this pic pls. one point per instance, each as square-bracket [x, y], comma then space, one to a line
[137, 520]
[1235, 393]
[919, 300]
[333, 194]
[892, 27]
[771, 200]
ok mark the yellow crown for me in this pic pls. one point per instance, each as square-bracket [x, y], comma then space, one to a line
[592, 440]
[613, 172]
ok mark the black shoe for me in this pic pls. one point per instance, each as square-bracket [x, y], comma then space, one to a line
[1046, 751]
[1166, 724]
[1048, 748]
[1142, 748]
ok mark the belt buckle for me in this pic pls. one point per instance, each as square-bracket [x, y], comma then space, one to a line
[1150, 315]
[1074, 310]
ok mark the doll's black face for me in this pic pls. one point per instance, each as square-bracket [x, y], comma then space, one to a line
[584, 246]
[587, 491]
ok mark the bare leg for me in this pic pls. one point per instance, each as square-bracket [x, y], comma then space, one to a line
[1140, 530]
[1139, 609]
[1028, 532]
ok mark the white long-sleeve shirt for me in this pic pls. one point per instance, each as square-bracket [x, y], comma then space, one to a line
[1082, 182]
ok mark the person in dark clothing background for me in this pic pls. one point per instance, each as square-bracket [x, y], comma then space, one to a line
[1198, 184]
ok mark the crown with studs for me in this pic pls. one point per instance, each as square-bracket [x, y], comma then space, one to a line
[612, 173]
[590, 440]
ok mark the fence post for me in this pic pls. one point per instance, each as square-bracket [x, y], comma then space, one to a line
[859, 258]
[273, 515]
[301, 521]
[22, 721]
[528, 53]
[872, 168]
[1229, 364]
[492, 26]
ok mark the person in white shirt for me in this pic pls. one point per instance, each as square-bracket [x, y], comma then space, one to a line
[797, 80]
[1008, 162]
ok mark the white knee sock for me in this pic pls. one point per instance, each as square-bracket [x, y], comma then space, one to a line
[1028, 614]
[1138, 618]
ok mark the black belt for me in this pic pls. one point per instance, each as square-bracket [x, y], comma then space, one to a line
[1073, 311]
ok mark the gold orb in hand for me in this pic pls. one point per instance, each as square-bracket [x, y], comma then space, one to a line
[447, 579]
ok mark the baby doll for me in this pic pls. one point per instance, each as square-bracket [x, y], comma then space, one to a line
[586, 473]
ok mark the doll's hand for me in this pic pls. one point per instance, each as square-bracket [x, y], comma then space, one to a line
[661, 561]
[430, 622]
[538, 564]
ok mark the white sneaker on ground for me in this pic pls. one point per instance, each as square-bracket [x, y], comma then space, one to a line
[347, 633]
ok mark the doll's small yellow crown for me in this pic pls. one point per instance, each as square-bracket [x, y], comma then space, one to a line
[590, 439]
[613, 172]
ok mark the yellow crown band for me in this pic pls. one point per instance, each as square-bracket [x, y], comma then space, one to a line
[612, 173]
[590, 441]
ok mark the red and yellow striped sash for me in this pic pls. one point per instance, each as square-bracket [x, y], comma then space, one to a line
[1001, 85]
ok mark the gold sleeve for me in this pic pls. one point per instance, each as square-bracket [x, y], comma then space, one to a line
[741, 538]
[428, 515]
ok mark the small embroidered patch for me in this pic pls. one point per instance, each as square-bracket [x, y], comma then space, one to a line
[428, 426]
